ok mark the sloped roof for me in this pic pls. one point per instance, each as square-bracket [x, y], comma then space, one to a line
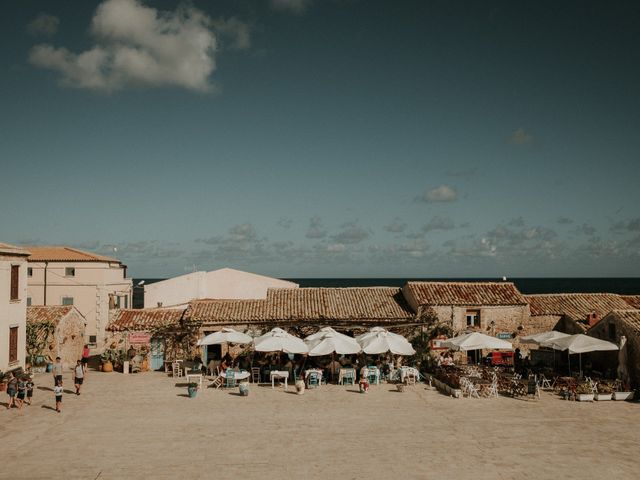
[357, 303]
[49, 313]
[575, 306]
[629, 317]
[7, 249]
[633, 300]
[144, 318]
[66, 254]
[465, 293]
[375, 304]
[228, 311]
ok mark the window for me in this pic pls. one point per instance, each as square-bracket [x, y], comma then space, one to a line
[29, 272]
[13, 344]
[69, 272]
[93, 339]
[67, 300]
[473, 318]
[28, 301]
[15, 280]
[612, 331]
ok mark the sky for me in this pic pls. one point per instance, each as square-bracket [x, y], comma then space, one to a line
[334, 138]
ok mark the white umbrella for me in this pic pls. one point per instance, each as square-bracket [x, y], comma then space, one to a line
[543, 337]
[226, 335]
[327, 341]
[476, 341]
[378, 340]
[623, 372]
[581, 343]
[277, 340]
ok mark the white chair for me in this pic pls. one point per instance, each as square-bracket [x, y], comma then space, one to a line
[176, 369]
[255, 375]
[544, 382]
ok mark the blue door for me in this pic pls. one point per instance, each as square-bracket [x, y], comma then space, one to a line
[157, 354]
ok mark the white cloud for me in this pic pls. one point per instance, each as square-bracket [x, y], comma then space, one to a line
[316, 228]
[234, 32]
[438, 223]
[396, 226]
[520, 137]
[138, 45]
[443, 193]
[351, 233]
[292, 6]
[43, 24]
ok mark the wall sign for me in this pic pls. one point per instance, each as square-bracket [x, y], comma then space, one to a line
[504, 335]
[139, 337]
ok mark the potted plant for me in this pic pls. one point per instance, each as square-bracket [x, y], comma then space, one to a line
[106, 359]
[300, 386]
[192, 389]
[400, 386]
[584, 393]
[244, 389]
[623, 392]
[364, 385]
[604, 392]
[3, 383]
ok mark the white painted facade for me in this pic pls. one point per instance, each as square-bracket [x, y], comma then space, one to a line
[225, 283]
[94, 289]
[13, 311]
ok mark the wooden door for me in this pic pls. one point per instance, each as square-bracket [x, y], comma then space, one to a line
[13, 344]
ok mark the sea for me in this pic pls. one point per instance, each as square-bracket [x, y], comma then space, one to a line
[527, 285]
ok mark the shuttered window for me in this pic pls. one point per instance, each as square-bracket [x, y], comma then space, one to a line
[13, 344]
[15, 280]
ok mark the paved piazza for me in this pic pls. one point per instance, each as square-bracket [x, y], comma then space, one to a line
[144, 426]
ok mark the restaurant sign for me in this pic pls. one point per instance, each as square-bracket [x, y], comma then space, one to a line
[504, 335]
[436, 343]
[139, 337]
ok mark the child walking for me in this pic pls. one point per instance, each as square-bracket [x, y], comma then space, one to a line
[30, 386]
[57, 390]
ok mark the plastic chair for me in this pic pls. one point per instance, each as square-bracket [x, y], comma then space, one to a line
[230, 378]
[255, 375]
[372, 376]
[176, 369]
[313, 380]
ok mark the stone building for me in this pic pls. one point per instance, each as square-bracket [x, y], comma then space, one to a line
[61, 332]
[616, 324]
[494, 308]
[573, 312]
[93, 283]
[13, 306]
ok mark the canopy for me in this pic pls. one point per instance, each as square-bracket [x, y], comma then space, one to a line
[581, 343]
[327, 341]
[226, 335]
[277, 340]
[476, 341]
[542, 338]
[378, 340]
[623, 372]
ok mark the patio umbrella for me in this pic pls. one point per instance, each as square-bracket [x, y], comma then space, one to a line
[580, 343]
[327, 341]
[378, 340]
[226, 335]
[541, 338]
[476, 341]
[277, 340]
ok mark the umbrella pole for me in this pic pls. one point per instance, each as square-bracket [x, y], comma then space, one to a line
[580, 360]
[569, 357]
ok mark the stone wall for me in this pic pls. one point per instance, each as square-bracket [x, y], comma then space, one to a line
[601, 330]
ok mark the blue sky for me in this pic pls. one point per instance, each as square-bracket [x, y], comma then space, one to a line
[302, 138]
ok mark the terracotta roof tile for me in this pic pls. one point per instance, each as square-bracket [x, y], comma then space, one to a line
[575, 306]
[144, 318]
[66, 254]
[633, 300]
[373, 304]
[630, 317]
[5, 248]
[49, 313]
[465, 293]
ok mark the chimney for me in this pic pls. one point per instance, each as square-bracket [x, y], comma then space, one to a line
[592, 318]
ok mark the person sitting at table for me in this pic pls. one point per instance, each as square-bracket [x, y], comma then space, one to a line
[223, 366]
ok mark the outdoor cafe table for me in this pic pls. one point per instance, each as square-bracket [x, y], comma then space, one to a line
[312, 370]
[402, 372]
[241, 375]
[196, 377]
[343, 373]
[279, 374]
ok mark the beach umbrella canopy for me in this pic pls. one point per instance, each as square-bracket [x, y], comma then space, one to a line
[581, 343]
[476, 341]
[327, 341]
[378, 340]
[226, 335]
[277, 340]
[543, 337]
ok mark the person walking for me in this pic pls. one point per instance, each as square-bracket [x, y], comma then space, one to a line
[78, 376]
[12, 390]
[30, 386]
[57, 391]
[85, 357]
[57, 371]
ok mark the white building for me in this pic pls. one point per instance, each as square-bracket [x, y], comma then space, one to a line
[13, 306]
[225, 283]
[94, 284]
